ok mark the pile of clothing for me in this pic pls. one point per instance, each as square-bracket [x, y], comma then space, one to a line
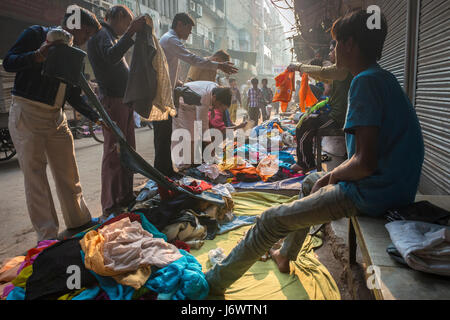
[259, 159]
[420, 235]
[125, 258]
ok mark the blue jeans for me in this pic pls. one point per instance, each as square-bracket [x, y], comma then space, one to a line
[292, 221]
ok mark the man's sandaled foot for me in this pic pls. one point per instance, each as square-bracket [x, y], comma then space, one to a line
[281, 261]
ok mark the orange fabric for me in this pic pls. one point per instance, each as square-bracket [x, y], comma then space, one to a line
[306, 96]
[243, 169]
[276, 126]
[9, 268]
[285, 83]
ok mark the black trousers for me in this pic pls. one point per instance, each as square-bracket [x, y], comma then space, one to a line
[254, 114]
[305, 135]
[162, 140]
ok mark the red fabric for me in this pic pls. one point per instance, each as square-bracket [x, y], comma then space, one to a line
[194, 187]
[306, 96]
[131, 216]
[285, 83]
[216, 120]
[292, 175]
[32, 255]
[182, 245]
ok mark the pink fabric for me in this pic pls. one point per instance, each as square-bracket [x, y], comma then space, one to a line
[216, 120]
[128, 246]
[7, 290]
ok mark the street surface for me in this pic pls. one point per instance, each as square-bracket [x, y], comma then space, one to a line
[16, 232]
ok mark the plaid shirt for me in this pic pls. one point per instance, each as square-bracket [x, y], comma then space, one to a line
[255, 98]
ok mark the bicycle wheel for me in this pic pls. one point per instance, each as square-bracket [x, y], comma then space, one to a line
[93, 134]
[7, 149]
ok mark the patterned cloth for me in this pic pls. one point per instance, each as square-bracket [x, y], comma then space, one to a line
[256, 98]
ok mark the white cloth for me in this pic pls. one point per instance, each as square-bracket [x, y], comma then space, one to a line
[188, 115]
[424, 246]
[128, 246]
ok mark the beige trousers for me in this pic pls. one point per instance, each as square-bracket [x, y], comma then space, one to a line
[40, 136]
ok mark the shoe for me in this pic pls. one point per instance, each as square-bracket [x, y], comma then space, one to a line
[69, 233]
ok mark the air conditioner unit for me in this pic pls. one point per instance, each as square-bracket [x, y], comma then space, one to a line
[199, 10]
[192, 5]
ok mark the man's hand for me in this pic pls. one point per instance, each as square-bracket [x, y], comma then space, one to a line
[324, 181]
[293, 67]
[228, 67]
[40, 55]
[179, 83]
[136, 25]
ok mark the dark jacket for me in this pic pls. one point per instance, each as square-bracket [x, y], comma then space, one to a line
[30, 83]
[106, 54]
[143, 80]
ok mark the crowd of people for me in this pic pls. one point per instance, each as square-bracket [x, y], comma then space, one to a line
[363, 99]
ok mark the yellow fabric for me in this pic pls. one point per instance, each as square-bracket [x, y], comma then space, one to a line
[255, 203]
[71, 295]
[164, 94]
[92, 246]
[201, 74]
[135, 279]
[233, 112]
[23, 276]
[309, 279]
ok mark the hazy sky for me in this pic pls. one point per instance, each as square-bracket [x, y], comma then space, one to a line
[286, 16]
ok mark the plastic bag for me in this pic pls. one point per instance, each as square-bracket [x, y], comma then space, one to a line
[268, 167]
[216, 256]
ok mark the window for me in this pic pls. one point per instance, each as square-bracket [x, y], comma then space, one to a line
[220, 5]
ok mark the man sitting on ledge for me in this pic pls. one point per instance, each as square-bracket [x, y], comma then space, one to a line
[381, 128]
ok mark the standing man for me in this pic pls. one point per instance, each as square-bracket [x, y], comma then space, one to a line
[106, 53]
[235, 99]
[173, 47]
[39, 129]
[268, 97]
[255, 102]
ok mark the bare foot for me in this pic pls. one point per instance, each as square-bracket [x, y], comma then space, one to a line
[281, 261]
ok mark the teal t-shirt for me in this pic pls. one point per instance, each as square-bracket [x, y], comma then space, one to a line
[376, 99]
